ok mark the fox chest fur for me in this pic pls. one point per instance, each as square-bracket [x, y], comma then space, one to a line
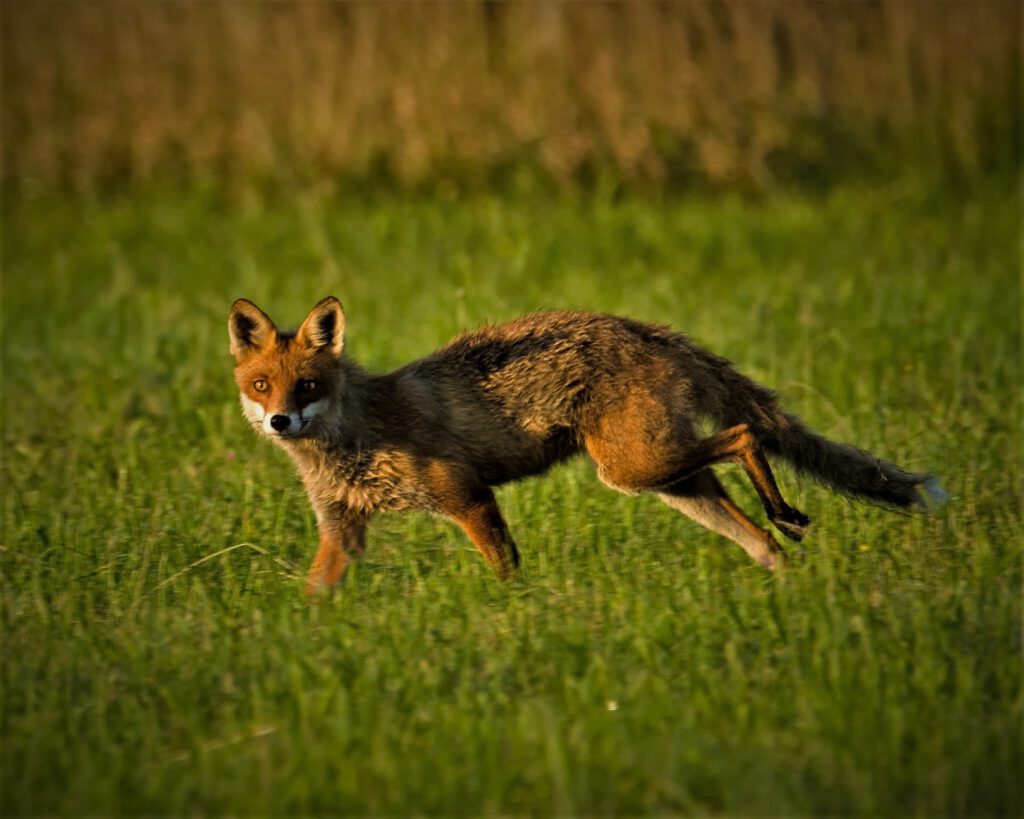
[363, 481]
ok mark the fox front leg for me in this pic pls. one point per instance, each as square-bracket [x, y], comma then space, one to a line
[481, 519]
[340, 542]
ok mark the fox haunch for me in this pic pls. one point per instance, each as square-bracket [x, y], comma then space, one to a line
[506, 402]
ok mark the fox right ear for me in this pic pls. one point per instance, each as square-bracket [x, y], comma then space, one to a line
[249, 328]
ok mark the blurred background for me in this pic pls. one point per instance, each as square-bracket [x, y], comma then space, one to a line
[827, 193]
[464, 94]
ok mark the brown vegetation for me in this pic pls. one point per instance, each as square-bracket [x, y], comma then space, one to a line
[727, 91]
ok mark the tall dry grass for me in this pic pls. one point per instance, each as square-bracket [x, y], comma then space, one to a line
[731, 91]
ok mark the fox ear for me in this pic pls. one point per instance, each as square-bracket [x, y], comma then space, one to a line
[249, 328]
[324, 327]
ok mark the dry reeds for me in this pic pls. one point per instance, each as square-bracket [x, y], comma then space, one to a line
[728, 91]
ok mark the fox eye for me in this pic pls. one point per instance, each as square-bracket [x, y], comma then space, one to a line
[309, 385]
[260, 385]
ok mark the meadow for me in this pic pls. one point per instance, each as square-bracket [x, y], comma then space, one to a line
[159, 657]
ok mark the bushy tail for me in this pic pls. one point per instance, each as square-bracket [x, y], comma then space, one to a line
[846, 468]
[842, 467]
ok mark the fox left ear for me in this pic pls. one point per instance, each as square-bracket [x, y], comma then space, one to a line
[324, 327]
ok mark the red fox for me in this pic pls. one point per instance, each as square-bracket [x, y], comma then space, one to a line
[505, 402]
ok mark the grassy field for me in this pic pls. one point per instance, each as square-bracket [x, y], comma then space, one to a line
[158, 655]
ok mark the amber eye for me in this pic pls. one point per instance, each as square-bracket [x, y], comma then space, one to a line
[260, 385]
[309, 385]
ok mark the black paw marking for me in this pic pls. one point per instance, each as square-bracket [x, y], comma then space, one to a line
[792, 523]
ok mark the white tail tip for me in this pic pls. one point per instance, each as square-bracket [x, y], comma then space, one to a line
[934, 493]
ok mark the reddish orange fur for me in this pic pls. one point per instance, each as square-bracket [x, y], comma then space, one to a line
[506, 402]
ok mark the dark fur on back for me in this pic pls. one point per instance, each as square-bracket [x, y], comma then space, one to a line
[545, 378]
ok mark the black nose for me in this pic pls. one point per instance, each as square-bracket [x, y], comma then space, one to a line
[280, 422]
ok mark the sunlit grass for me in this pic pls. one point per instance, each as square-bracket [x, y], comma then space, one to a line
[158, 655]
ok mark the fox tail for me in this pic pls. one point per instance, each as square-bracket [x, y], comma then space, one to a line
[846, 468]
[843, 467]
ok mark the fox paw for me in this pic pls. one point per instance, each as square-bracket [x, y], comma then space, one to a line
[792, 523]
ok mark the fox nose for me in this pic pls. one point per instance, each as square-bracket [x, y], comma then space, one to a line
[280, 422]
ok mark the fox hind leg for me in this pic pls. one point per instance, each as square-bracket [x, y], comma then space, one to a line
[702, 498]
[628, 468]
[739, 444]
[788, 520]
[742, 446]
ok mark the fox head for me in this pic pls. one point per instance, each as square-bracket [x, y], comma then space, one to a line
[287, 379]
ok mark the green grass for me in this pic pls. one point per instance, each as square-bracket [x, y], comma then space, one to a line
[158, 655]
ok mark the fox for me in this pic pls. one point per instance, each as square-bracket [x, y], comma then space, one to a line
[506, 402]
